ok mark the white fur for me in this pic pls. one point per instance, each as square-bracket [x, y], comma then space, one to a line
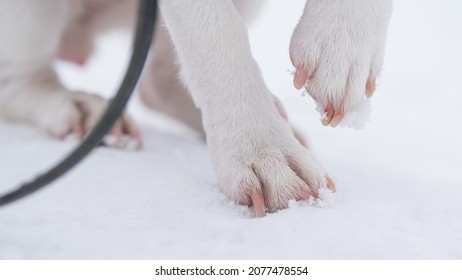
[342, 43]
[251, 144]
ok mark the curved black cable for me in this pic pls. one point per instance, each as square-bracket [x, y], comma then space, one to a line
[142, 43]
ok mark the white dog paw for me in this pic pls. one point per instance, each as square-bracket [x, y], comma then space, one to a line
[77, 113]
[265, 166]
[337, 49]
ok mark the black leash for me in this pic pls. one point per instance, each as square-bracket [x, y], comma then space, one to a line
[142, 43]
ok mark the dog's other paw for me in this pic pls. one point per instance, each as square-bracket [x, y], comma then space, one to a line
[77, 113]
[337, 49]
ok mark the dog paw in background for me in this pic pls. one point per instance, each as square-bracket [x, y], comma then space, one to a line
[62, 113]
[81, 112]
[30, 90]
[337, 49]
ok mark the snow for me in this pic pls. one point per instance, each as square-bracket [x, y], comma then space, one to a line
[398, 181]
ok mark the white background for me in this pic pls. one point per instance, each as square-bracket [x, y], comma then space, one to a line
[398, 180]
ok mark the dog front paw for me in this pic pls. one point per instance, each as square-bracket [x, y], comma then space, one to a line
[337, 49]
[264, 165]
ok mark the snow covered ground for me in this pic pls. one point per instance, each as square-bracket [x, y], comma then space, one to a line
[398, 180]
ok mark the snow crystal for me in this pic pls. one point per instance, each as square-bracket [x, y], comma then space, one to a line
[326, 199]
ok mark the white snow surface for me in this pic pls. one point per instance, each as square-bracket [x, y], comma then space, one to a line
[399, 191]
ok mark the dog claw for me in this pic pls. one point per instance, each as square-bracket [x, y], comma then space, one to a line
[258, 203]
[336, 119]
[332, 117]
[330, 184]
[370, 88]
[77, 130]
[300, 78]
[329, 115]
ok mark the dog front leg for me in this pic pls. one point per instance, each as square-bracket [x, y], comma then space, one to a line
[257, 159]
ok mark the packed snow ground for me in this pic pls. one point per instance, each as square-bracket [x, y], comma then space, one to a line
[399, 179]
